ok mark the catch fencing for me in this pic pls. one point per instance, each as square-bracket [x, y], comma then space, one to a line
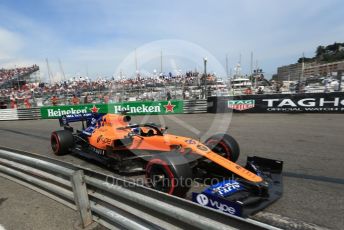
[110, 201]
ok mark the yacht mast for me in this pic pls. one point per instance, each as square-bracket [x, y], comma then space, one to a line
[50, 75]
[227, 66]
[61, 68]
[251, 64]
[161, 61]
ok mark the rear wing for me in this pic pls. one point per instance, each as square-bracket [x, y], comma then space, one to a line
[66, 119]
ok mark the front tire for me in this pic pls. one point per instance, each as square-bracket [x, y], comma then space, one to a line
[170, 174]
[224, 145]
[61, 141]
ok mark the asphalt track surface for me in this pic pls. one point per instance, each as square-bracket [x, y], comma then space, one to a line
[311, 146]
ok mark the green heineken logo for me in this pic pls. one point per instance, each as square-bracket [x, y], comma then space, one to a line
[61, 112]
[149, 107]
[58, 111]
[94, 109]
[241, 104]
[139, 108]
[169, 107]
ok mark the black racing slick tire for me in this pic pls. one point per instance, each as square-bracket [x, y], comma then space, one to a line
[169, 173]
[224, 145]
[61, 141]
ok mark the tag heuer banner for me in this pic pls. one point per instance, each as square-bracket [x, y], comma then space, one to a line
[137, 108]
[241, 104]
[279, 103]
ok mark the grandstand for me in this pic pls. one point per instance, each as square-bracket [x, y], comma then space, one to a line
[13, 85]
[17, 77]
[20, 87]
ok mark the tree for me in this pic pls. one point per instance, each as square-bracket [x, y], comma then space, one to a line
[305, 59]
[320, 51]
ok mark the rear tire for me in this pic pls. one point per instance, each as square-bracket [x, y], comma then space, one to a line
[61, 141]
[169, 173]
[224, 145]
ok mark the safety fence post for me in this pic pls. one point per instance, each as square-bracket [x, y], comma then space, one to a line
[81, 197]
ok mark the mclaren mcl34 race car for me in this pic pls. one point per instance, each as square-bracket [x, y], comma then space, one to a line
[169, 162]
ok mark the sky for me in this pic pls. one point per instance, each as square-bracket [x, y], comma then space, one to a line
[112, 37]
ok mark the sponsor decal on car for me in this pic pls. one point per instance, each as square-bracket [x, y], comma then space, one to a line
[217, 203]
[202, 148]
[98, 151]
[104, 140]
[190, 141]
[224, 188]
[241, 104]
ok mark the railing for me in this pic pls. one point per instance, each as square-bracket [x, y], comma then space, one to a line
[19, 114]
[109, 200]
[195, 106]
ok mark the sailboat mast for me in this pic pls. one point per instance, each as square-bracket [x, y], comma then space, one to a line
[302, 67]
[251, 64]
[61, 68]
[49, 72]
[136, 66]
[161, 61]
[227, 65]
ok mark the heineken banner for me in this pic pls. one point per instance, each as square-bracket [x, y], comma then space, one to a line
[134, 108]
[279, 103]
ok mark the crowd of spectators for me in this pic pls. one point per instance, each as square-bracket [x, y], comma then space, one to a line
[87, 90]
[187, 79]
[9, 74]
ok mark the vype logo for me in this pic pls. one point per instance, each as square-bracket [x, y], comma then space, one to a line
[205, 201]
[202, 199]
[215, 202]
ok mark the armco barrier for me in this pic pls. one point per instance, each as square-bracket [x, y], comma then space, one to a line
[111, 201]
[19, 114]
[195, 106]
[8, 114]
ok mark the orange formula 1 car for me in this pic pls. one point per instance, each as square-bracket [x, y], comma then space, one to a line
[170, 162]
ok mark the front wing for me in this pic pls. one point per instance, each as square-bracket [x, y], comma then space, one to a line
[237, 197]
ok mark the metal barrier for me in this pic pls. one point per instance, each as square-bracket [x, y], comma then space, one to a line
[8, 114]
[111, 201]
[195, 106]
[19, 114]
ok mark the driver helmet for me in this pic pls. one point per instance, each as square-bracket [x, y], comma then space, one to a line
[136, 130]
